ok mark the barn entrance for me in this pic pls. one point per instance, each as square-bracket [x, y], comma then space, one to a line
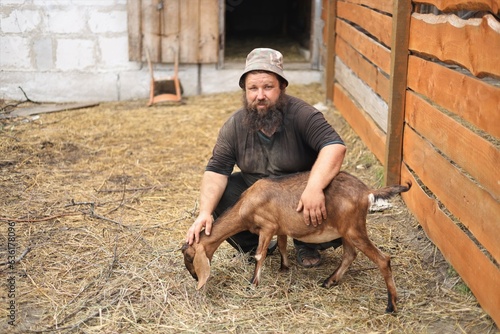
[284, 25]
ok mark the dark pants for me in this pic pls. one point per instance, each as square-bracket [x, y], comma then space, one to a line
[246, 241]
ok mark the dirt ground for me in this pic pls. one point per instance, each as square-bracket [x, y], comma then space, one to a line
[95, 204]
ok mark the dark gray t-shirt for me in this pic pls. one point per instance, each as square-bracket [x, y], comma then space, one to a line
[293, 148]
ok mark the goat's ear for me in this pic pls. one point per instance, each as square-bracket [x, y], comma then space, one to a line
[202, 267]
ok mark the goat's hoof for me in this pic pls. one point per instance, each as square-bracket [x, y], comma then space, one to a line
[327, 284]
[284, 269]
[254, 282]
[390, 309]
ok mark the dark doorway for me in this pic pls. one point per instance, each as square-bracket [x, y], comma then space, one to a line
[279, 24]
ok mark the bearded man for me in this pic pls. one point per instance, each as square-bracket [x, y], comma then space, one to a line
[274, 134]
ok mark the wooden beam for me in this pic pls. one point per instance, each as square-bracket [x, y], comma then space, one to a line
[399, 66]
[134, 30]
[330, 47]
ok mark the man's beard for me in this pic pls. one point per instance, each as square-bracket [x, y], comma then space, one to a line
[267, 121]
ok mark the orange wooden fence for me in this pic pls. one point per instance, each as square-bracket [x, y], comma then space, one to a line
[420, 85]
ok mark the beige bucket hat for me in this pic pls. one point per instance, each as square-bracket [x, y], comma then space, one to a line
[264, 59]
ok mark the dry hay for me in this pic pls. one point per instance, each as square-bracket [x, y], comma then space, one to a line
[100, 200]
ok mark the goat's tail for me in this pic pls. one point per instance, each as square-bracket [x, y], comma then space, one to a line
[388, 192]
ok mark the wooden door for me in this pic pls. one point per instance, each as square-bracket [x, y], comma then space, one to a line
[163, 26]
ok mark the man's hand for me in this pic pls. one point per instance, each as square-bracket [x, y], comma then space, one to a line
[312, 203]
[203, 221]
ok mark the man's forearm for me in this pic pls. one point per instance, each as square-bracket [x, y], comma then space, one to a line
[327, 166]
[212, 187]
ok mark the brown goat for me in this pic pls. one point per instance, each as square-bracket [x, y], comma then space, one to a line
[268, 208]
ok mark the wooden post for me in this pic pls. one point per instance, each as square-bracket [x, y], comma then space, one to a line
[399, 67]
[330, 49]
[134, 30]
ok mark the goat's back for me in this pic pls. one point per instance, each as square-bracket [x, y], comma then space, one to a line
[275, 200]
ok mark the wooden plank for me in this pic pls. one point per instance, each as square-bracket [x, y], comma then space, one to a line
[190, 26]
[50, 108]
[397, 89]
[377, 24]
[134, 30]
[222, 33]
[473, 43]
[331, 35]
[362, 124]
[362, 93]
[382, 5]
[365, 70]
[473, 100]
[170, 30]
[209, 33]
[471, 264]
[474, 154]
[369, 48]
[474, 207]
[315, 32]
[456, 5]
[150, 25]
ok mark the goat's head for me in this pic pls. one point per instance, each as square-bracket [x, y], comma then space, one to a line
[197, 263]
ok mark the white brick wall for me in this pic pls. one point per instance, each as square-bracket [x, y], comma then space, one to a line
[108, 22]
[66, 21]
[49, 46]
[15, 52]
[20, 21]
[114, 51]
[75, 54]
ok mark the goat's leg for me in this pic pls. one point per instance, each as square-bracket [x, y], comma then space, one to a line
[285, 265]
[260, 255]
[383, 262]
[348, 256]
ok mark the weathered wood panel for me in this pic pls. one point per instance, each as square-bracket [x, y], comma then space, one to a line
[377, 24]
[472, 153]
[371, 103]
[365, 70]
[478, 272]
[369, 48]
[456, 5]
[472, 99]
[367, 130]
[474, 207]
[190, 28]
[209, 32]
[150, 30]
[170, 30]
[382, 5]
[473, 43]
[330, 37]
[134, 30]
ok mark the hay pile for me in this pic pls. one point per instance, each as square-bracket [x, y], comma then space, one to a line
[99, 200]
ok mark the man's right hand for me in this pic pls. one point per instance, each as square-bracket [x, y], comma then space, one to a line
[204, 220]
